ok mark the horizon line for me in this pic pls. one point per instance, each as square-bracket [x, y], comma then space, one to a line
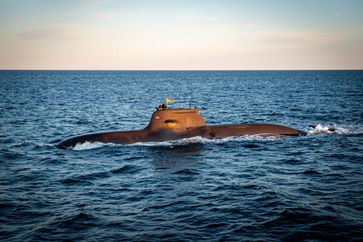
[182, 69]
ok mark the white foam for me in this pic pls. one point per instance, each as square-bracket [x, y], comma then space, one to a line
[341, 130]
[88, 145]
[200, 140]
[327, 129]
[193, 140]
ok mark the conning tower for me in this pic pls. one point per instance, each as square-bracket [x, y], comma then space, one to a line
[176, 120]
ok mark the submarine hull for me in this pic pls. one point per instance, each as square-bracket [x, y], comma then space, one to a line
[223, 131]
[209, 132]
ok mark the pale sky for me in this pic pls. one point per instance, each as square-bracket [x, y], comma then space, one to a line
[181, 35]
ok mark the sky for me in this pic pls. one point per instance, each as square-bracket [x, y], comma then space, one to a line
[181, 35]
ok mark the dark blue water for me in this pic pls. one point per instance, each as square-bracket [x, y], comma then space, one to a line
[235, 189]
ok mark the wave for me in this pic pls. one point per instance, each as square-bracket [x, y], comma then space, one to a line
[334, 129]
[180, 142]
[90, 145]
[201, 140]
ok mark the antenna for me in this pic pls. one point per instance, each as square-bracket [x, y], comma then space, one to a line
[190, 102]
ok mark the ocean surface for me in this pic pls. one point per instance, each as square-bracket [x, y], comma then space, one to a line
[249, 188]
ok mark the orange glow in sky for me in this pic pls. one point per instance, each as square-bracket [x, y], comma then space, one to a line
[181, 35]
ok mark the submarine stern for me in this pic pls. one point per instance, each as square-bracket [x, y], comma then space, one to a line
[223, 131]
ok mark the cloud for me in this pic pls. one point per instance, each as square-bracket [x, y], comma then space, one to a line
[292, 36]
[249, 25]
[201, 18]
[210, 19]
[52, 33]
[107, 14]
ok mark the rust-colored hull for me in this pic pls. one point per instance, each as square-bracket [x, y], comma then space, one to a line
[209, 132]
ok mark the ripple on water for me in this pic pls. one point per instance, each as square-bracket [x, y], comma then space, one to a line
[76, 181]
[234, 189]
[77, 221]
[126, 169]
[311, 172]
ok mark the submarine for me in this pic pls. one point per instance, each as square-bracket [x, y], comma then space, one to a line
[180, 123]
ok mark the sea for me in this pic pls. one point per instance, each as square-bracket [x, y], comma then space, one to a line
[248, 188]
